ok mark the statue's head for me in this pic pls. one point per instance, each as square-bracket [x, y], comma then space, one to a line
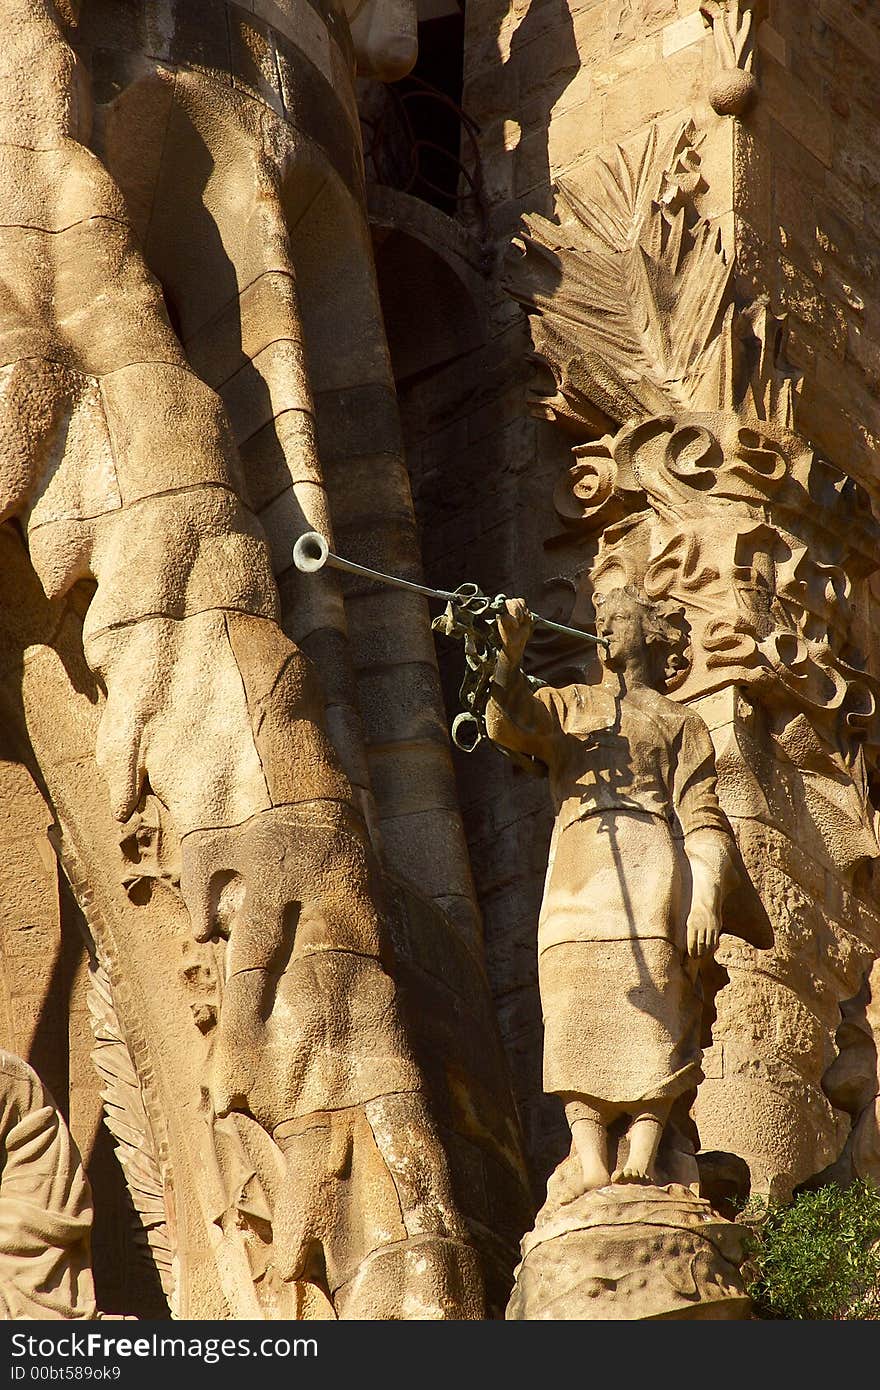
[634, 626]
[385, 36]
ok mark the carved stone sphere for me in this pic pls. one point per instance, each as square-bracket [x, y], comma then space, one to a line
[732, 91]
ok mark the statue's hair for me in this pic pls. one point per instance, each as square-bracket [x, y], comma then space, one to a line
[663, 621]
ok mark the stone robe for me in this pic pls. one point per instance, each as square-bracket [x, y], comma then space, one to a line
[45, 1205]
[630, 779]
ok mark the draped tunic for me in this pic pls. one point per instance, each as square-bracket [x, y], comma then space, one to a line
[631, 779]
[45, 1205]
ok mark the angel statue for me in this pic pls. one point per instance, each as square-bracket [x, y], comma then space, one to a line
[642, 859]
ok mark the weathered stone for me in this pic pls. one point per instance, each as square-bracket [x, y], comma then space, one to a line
[622, 1253]
[223, 861]
[45, 1204]
[193, 370]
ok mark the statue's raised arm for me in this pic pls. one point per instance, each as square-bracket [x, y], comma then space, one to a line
[641, 861]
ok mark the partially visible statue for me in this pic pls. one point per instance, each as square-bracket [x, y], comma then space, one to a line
[45, 1205]
[641, 861]
[121, 469]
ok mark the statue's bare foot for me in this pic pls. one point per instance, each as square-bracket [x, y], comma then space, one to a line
[644, 1140]
[590, 1147]
[632, 1173]
[564, 1185]
[571, 1180]
[595, 1174]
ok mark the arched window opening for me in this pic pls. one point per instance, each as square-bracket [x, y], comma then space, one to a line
[417, 138]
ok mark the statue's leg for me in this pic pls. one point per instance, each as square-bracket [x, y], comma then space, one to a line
[427, 1278]
[589, 1131]
[369, 1192]
[645, 1134]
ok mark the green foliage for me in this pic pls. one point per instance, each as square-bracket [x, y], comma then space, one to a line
[818, 1258]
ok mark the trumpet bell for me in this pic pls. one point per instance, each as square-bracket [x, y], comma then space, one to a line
[310, 552]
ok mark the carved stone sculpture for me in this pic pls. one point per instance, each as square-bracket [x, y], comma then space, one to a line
[733, 87]
[45, 1205]
[245, 778]
[642, 862]
[700, 491]
[624, 917]
[242, 882]
[621, 1253]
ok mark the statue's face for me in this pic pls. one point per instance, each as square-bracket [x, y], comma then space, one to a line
[621, 626]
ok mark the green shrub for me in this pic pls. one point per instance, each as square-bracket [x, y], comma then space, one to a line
[818, 1258]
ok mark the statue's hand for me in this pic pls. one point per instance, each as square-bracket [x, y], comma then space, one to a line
[292, 883]
[515, 628]
[240, 883]
[703, 931]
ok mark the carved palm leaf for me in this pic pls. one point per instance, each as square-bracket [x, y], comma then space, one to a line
[127, 1120]
[627, 295]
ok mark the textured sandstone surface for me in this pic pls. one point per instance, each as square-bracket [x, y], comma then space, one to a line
[620, 1253]
[240, 864]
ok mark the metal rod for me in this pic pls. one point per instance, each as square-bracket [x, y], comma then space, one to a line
[312, 552]
[569, 631]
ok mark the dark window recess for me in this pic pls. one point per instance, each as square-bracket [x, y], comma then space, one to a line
[435, 122]
[417, 138]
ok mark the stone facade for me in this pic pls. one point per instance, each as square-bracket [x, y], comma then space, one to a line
[270, 940]
[787, 185]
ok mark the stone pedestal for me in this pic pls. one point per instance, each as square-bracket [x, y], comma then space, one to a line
[630, 1252]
